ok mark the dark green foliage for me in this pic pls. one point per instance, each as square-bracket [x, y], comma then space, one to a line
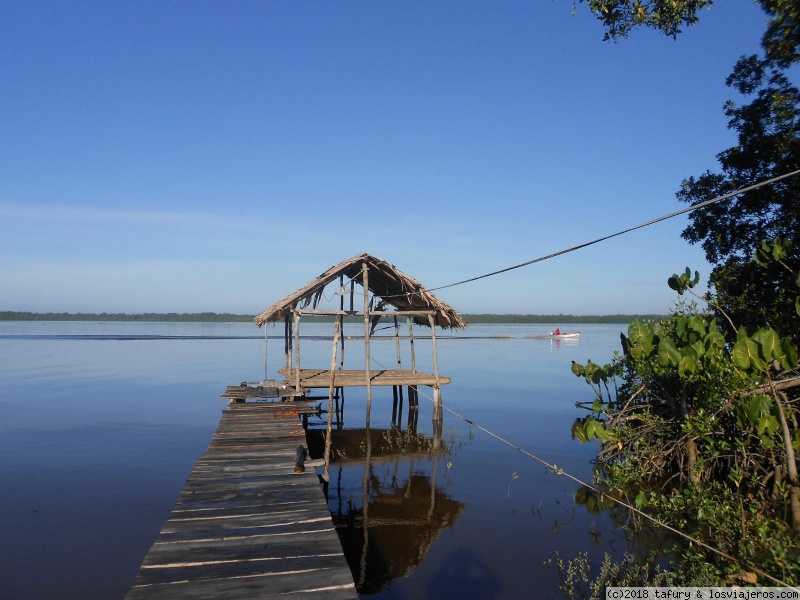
[703, 432]
[620, 17]
[753, 292]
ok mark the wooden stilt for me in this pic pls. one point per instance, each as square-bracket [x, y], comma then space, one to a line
[297, 350]
[397, 343]
[411, 342]
[328, 435]
[367, 359]
[400, 404]
[287, 342]
[437, 389]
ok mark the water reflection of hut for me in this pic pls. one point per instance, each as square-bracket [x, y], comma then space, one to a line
[401, 514]
[388, 293]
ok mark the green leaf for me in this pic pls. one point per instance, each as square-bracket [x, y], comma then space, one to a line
[715, 339]
[699, 349]
[746, 355]
[640, 339]
[680, 283]
[597, 406]
[594, 429]
[756, 408]
[697, 324]
[590, 369]
[770, 344]
[641, 499]
[686, 365]
[577, 369]
[668, 354]
[769, 424]
[599, 374]
[789, 359]
[579, 431]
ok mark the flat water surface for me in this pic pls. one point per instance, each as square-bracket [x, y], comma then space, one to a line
[102, 422]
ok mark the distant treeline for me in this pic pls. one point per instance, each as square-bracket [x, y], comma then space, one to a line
[211, 317]
[205, 317]
[558, 319]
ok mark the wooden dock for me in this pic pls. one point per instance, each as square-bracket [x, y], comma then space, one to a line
[245, 524]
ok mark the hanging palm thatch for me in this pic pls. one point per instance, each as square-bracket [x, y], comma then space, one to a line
[388, 284]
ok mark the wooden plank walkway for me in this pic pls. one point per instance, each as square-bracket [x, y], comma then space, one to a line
[245, 524]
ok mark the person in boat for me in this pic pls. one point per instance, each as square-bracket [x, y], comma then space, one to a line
[557, 331]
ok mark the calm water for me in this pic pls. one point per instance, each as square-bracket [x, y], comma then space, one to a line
[102, 422]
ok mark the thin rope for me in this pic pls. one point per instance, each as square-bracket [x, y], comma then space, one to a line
[608, 237]
[559, 471]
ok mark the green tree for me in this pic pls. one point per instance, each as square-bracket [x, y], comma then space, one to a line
[768, 129]
[781, 39]
[767, 124]
[704, 433]
[620, 17]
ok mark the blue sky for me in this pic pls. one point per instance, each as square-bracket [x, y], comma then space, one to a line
[215, 156]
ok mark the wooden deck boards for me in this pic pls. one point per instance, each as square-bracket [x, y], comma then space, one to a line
[321, 378]
[245, 524]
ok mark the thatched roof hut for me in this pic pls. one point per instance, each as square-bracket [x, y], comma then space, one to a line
[385, 287]
[387, 283]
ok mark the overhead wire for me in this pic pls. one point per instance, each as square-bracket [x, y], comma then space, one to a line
[618, 233]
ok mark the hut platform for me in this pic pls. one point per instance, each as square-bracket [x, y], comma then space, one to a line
[245, 524]
[321, 378]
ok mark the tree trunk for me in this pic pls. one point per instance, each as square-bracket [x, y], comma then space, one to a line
[691, 448]
[791, 464]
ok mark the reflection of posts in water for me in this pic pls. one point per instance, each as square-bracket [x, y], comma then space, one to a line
[397, 404]
[433, 489]
[365, 514]
[437, 390]
[339, 408]
[413, 408]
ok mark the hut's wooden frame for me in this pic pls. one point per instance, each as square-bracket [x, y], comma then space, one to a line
[392, 288]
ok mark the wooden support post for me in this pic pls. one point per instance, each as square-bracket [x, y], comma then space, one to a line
[400, 404]
[368, 379]
[397, 343]
[411, 341]
[437, 389]
[328, 434]
[341, 307]
[340, 416]
[394, 404]
[287, 343]
[266, 353]
[297, 350]
[413, 409]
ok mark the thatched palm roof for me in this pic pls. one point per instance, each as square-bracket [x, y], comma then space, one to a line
[390, 285]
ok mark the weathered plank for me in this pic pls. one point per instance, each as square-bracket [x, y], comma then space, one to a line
[320, 378]
[245, 524]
